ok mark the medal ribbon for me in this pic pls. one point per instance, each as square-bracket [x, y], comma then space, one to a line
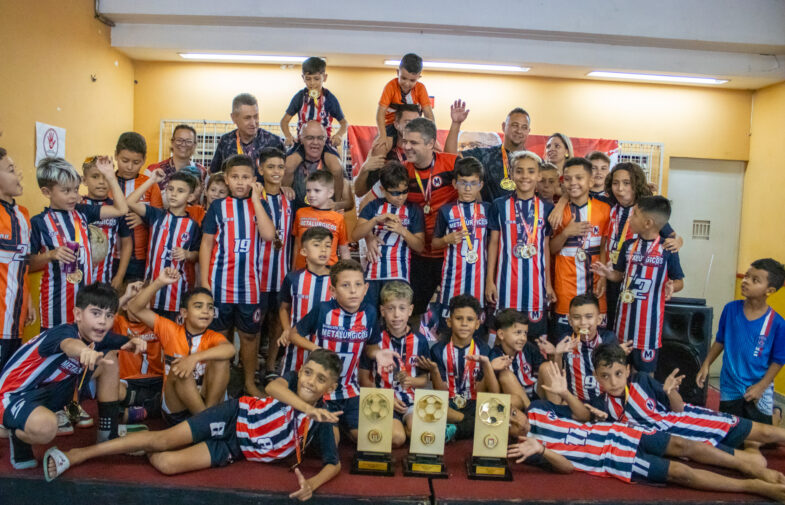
[469, 237]
[300, 436]
[239, 146]
[426, 192]
[406, 351]
[623, 235]
[629, 270]
[505, 161]
[588, 220]
[468, 371]
[520, 218]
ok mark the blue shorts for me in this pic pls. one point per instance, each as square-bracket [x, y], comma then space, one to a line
[217, 427]
[351, 411]
[244, 317]
[53, 396]
[269, 302]
[738, 433]
[649, 464]
[645, 360]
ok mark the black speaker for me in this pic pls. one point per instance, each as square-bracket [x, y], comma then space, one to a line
[686, 338]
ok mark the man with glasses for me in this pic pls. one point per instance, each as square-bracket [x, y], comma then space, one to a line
[183, 147]
[312, 156]
[495, 159]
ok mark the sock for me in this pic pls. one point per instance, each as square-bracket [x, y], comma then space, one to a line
[108, 413]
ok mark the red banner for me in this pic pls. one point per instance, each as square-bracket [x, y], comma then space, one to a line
[361, 137]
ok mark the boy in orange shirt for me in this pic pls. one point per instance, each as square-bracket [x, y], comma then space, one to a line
[130, 154]
[406, 88]
[577, 243]
[196, 359]
[319, 187]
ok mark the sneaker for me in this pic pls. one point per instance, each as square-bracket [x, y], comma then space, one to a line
[64, 426]
[450, 432]
[85, 421]
[136, 414]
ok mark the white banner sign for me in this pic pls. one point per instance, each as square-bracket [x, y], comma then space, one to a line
[49, 141]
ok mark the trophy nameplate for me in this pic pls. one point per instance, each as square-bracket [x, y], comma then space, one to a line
[374, 432]
[426, 447]
[491, 433]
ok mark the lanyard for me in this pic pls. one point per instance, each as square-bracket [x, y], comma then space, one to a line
[239, 146]
[505, 161]
[629, 273]
[426, 192]
[468, 370]
[520, 219]
[467, 237]
[623, 235]
[406, 351]
[300, 437]
[77, 228]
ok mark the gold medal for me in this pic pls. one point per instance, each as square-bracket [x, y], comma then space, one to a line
[459, 401]
[532, 250]
[72, 411]
[75, 277]
[306, 200]
[427, 209]
[521, 251]
[277, 243]
[627, 296]
[314, 94]
[472, 257]
[581, 255]
[507, 184]
[614, 256]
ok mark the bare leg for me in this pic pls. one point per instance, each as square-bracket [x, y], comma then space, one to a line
[249, 349]
[107, 378]
[40, 427]
[216, 379]
[195, 457]
[679, 473]
[510, 385]
[766, 434]
[273, 333]
[182, 394]
[398, 434]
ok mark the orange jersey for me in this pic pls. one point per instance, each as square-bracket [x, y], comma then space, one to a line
[196, 212]
[14, 249]
[147, 365]
[308, 217]
[437, 190]
[176, 344]
[392, 96]
[152, 197]
[572, 276]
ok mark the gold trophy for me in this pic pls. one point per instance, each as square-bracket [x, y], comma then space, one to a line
[374, 433]
[491, 432]
[426, 448]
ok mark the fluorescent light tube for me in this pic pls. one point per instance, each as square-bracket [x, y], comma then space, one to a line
[259, 58]
[481, 67]
[659, 78]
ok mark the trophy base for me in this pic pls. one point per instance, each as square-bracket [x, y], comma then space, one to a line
[425, 465]
[373, 463]
[479, 468]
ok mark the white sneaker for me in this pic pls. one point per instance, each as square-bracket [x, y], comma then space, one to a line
[85, 421]
[64, 426]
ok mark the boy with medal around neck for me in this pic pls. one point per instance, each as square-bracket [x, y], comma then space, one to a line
[461, 230]
[59, 240]
[649, 275]
[461, 366]
[578, 242]
[519, 260]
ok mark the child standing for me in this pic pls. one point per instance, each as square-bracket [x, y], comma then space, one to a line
[752, 337]
[405, 88]
[398, 227]
[320, 189]
[600, 168]
[649, 275]
[519, 259]
[59, 244]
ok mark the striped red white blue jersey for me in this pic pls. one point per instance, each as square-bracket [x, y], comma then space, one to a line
[394, 251]
[647, 405]
[52, 229]
[113, 228]
[168, 232]
[461, 376]
[343, 332]
[41, 361]
[274, 263]
[580, 371]
[601, 449]
[15, 232]
[525, 365]
[458, 275]
[302, 290]
[233, 269]
[324, 109]
[408, 347]
[647, 267]
[520, 282]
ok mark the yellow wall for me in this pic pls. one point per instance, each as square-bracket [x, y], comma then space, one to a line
[690, 121]
[48, 50]
[762, 225]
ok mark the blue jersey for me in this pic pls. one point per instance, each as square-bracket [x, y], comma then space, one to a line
[302, 290]
[168, 232]
[324, 109]
[408, 347]
[395, 253]
[525, 365]
[275, 256]
[345, 333]
[460, 276]
[580, 371]
[647, 267]
[460, 375]
[520, 282]
[648, 406]
[750, 348]
[114, 228]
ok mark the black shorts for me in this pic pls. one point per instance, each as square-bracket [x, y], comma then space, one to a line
[171, 315]
[217, 427]
[645, 360]
[466, 426]
[351, 411]
[612, 292]
[428, 272]
[53, 396]
[135, 270]
[8, 346]
[143, 392]
[269, 302]
[244, 317]
[738, 433]
[558, 327]
[747, 410]
[649, 464]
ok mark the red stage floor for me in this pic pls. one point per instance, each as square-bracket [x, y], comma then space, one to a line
[128, 479]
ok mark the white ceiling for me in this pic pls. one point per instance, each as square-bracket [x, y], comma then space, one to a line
[743, 41]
